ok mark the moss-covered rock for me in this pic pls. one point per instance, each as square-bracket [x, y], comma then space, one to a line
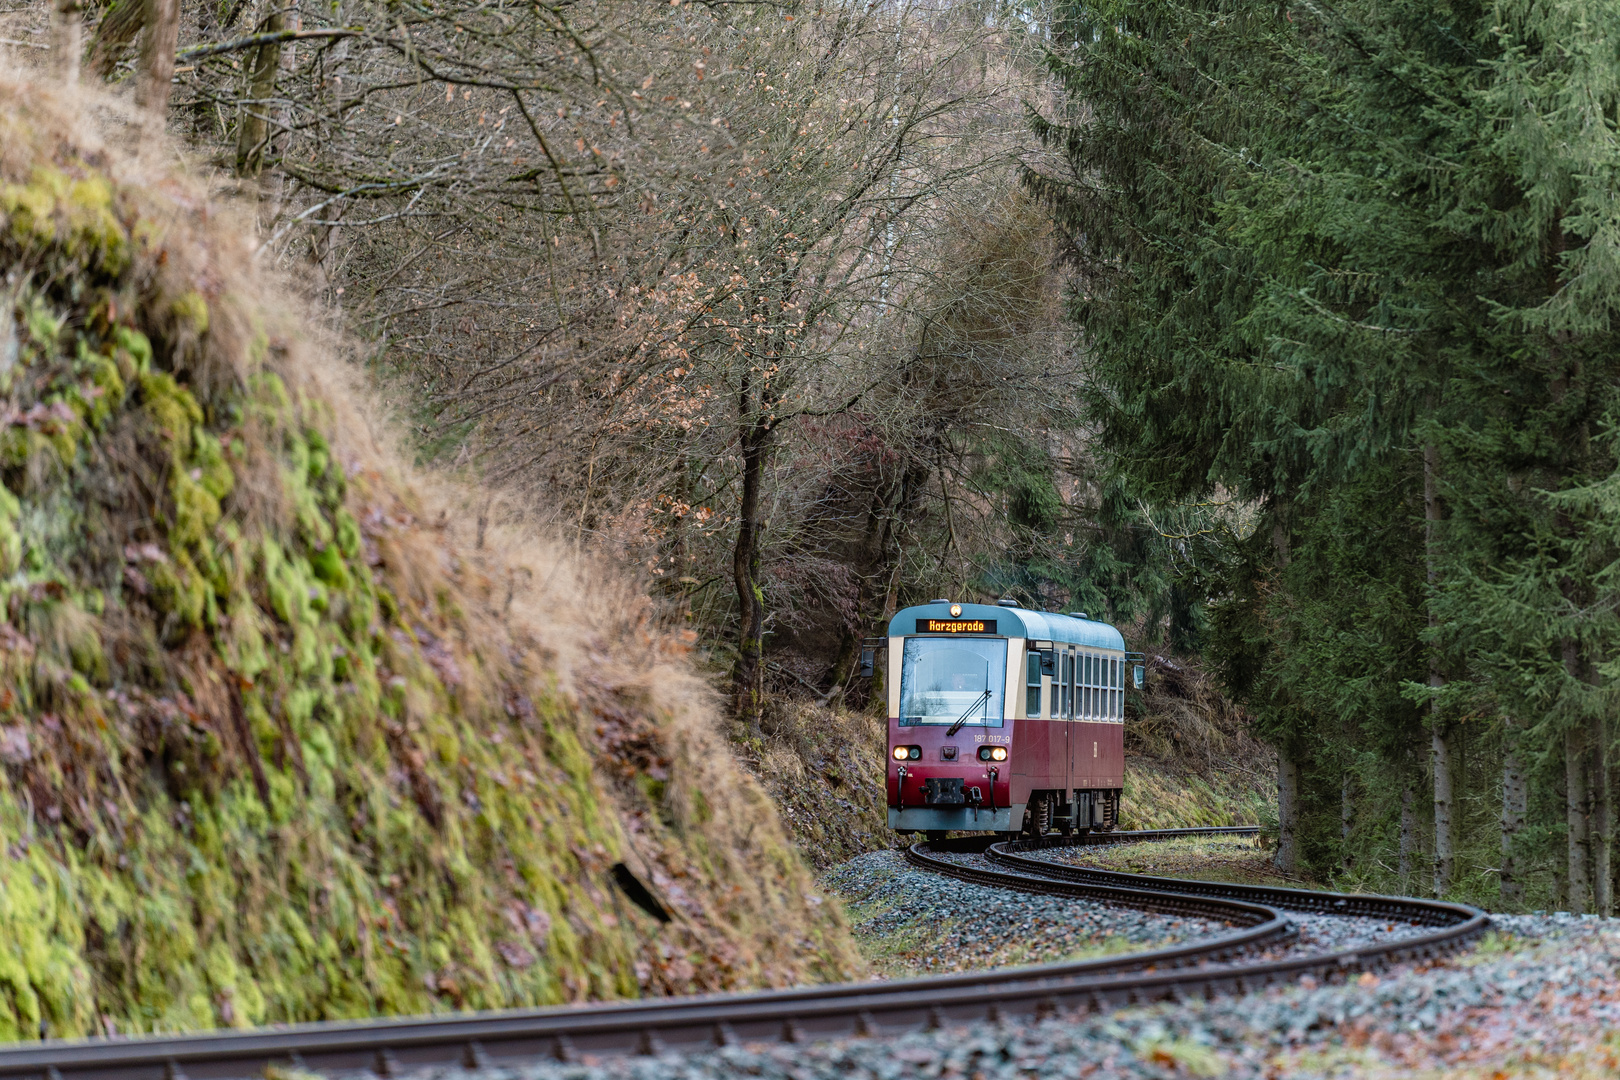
[273, 746]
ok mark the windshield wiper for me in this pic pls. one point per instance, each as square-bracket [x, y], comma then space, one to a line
[960, 720]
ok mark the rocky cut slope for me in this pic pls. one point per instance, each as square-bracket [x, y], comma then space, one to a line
[281, 738]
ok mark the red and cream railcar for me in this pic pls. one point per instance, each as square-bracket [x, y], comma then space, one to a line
[1004, 719]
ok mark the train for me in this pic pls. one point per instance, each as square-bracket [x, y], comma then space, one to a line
[1004, 719]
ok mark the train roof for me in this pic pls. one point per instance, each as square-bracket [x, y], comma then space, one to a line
[1015, 622]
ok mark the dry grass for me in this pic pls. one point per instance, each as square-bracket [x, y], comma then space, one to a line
[824, 767]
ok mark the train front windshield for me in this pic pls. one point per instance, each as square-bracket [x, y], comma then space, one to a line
[943, 680]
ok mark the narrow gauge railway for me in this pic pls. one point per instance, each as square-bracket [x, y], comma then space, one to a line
[388, 1048]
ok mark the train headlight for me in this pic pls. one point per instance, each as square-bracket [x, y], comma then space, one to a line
[908, 753]
[992, 753]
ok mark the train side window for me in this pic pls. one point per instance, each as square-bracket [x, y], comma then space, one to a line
[1108, 686]
[1085, 690]
[1074, 689]
[1091, 686]
[1099, 700]
[1054, 700]
[1118, 683]
[1068, 685]
[1060, 686]
[1032, 685]
[1080, 684]
[1112, 695]
[1105, 679]
[1054, 697]
[1080, 659]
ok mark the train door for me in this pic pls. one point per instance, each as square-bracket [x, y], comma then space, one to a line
[1076, 740]
[1068, 725]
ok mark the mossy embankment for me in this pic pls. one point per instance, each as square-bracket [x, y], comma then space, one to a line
[1190, 758]
[282, 737]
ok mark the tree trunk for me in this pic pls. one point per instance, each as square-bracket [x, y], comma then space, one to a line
[1575, 802]
[1346, 816]
[1444, 825]
[893, 499]
[1515, 805]
[748, 682]
[252, 136]
[1409, 838]
[1287, 859]
[1439, 736]
[1612, 785]
[158, 43]
[1599, 823]
[67, 39]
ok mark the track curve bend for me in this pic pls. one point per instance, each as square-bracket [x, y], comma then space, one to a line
[1211, 966]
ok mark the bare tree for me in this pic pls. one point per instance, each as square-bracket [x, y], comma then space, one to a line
[645, 261]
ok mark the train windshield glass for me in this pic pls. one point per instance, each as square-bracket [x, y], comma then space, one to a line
[943, 680]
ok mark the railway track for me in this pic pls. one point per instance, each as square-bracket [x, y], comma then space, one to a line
[1208, 967]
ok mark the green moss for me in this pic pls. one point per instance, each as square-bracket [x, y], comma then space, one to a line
[78, 213]
[190, 311]
[180, 591]
[31, 210]
[133, 352]
[103, 391]
[10, 538]
[171, 409]
[196, 511]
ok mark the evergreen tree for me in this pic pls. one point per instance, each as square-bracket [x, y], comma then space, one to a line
[1356, 265]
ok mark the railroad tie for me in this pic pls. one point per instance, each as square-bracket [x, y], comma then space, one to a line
[474, 1056]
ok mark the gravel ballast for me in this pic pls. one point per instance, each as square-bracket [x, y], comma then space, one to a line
[911, 922]
[1541, 999]
[1317, 933]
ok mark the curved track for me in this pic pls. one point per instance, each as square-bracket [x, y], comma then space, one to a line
[1204, 968]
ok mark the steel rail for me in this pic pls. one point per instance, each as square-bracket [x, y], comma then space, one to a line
[387, 1048]
[1405, 909]
[1459, 924]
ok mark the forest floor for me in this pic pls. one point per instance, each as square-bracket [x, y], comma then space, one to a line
[1240, 860]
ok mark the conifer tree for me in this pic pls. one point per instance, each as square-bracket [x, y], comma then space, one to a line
[1377, 240]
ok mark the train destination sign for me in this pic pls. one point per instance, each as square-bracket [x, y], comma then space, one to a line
[956, 626]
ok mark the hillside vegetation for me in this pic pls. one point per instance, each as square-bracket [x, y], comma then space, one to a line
[287, 731]
[1190, 756]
